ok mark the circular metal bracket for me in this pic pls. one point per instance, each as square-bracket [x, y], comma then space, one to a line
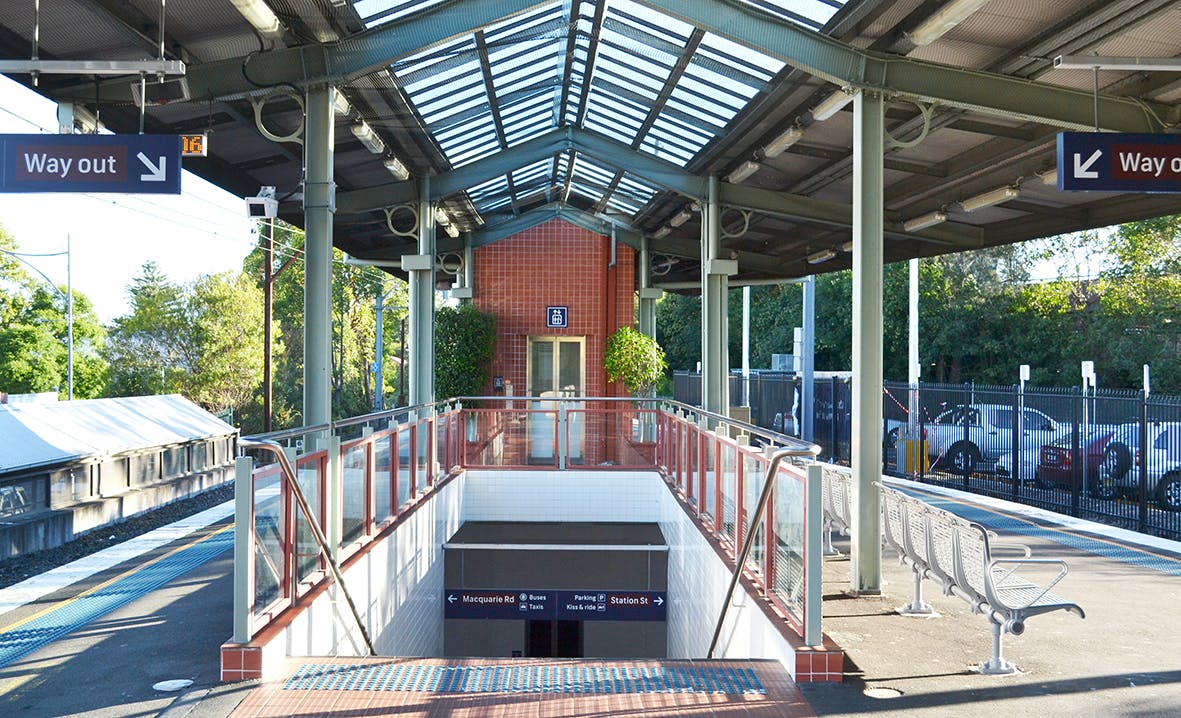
[258, 104]
[412, 232]
[450, 263]
[661, 265]
[925, 111]
[744, 213]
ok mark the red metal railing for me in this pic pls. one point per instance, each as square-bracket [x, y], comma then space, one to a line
[400, 458]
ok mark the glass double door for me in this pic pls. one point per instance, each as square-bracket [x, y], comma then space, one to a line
[557, 370]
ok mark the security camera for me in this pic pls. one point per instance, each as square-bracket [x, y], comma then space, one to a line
[262, 207]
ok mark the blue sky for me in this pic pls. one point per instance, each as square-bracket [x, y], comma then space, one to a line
[202, 231]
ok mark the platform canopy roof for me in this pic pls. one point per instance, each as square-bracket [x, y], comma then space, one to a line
[613, 113]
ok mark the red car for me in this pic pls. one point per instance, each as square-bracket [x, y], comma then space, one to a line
[1055, 466]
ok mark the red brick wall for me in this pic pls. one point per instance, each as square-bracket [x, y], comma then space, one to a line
[555, 264]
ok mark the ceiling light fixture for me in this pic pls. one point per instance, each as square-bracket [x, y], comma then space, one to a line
[363, 132]
[923, 221]
[1049, 176]
[831, 105]
[1084, 62]
[681, 217]
[788, 138]
[744, 171]
[396, 168]
[847, 246]
[258, 14]
[451, 230]
[822, 256]
[947, 17]
[340, 104]
[441, 216]
[990, 198]
[662, 232]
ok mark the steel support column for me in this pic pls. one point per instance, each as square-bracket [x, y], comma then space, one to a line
[648, 294]
[319, 206]
[715, 367]
[421, 340]
[868, 147]
[807, 414]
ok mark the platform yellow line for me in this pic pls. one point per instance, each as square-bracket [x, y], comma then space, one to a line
[94, 589]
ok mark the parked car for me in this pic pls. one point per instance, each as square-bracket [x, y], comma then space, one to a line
[1056, 461]
[1005, 469]
[1161, 461]
[988, 435]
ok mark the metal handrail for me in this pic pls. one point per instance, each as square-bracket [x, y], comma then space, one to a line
[765, 496]
[313, 524]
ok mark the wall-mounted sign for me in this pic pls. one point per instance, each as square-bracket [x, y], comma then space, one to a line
[534, 605]
[1118, 162]
[556, 317]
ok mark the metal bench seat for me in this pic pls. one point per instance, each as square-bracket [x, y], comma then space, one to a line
[964, 558]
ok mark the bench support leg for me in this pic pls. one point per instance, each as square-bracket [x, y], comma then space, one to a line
[918, 606]
[828, 549]
[998, 665]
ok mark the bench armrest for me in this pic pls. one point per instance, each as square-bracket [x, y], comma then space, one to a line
[1019, 563]
[1020, 548]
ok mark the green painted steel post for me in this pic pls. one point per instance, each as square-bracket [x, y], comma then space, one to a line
[715, 368]
[421, 339]
[319, 206]
[868, 225]
[243, 548]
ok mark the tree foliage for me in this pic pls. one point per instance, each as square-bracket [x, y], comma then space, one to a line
[203, 340]
[634, 358]
[34, 334]
[465, 338]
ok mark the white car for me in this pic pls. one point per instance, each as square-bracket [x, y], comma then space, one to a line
[965, 437]
[1029, 463]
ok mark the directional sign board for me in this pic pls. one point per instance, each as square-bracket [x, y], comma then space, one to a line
[1116, 162]
[535, 605]
[130, 164]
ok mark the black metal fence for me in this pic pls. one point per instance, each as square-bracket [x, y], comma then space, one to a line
[1112, 456]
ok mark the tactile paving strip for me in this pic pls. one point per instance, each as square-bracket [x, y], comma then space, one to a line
[75, 613]
[1000, 522]
[525, 679]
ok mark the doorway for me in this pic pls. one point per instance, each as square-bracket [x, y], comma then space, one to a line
[553, 639]
[556, 370]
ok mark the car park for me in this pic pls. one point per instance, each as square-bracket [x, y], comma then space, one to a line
[1157, 454]
[1005, 468]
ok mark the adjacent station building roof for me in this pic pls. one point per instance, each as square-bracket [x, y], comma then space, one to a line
[613, 113]
[47, 433]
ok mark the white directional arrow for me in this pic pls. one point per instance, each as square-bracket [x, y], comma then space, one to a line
[451, 598]
[659, 601]
[1082, 170]
[155, 173]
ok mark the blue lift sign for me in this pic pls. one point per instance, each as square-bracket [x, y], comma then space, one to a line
[129, 164]
[1117, 162]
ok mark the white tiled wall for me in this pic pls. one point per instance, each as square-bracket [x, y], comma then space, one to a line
[697, 582]
[563, 496]
[397, 586]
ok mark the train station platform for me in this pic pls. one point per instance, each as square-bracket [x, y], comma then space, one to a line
[1119, 661]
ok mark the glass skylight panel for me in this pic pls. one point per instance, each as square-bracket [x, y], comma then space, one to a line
[652, 19]
[809, 13]
[377, 12]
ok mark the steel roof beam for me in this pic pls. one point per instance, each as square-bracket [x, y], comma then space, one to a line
[334, 62]
[621, 157]
[847, 66]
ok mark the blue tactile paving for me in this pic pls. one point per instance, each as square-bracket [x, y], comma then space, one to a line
[74, 614]
[1002, 522]
[595, 680]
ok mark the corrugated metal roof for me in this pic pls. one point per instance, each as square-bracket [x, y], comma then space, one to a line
[42, 434]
